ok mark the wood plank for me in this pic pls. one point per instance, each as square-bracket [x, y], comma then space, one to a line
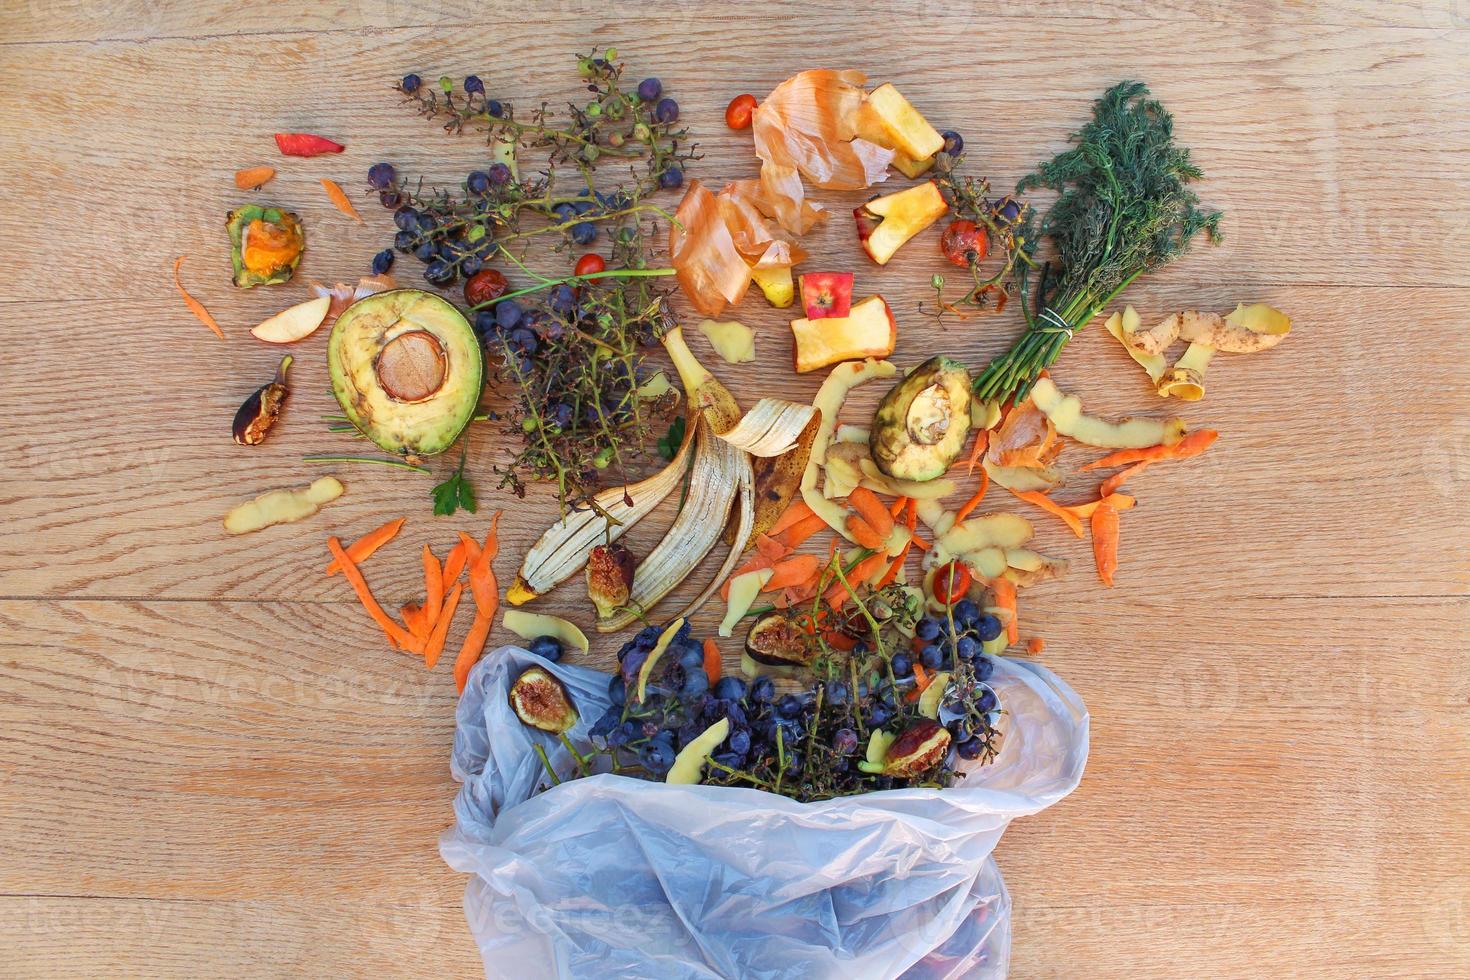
[121, 495]
[88, 937]
[1392, 186]
[137, 20]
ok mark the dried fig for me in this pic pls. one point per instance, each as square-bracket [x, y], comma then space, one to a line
[262, 408]
[540, 700]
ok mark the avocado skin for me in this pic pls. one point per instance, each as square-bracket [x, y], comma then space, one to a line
[238, 220]
[895, 451]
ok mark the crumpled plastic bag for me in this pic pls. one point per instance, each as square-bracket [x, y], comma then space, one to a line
[611, 876]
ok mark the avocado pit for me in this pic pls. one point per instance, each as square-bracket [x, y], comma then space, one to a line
[412, 366]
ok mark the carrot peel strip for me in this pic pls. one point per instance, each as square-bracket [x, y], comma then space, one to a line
[340, 200]
[973, 502]
[711, 659]
[1051, 507]
[871, 510]
[900, 504]
[864, 534]
[362, 549]
[454, 564]
[800, 510]
[195, 307]
[791, 572]
[396, 634]
[1005, 598]
[435, 645]
[469, 653]
[433, 587]
[1105, 542]
[796, 534]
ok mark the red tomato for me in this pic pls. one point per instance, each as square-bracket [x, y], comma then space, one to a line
[590, 263]
[962, 240]
[951, 582]
[740, 111]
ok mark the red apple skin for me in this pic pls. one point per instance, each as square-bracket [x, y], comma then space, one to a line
[883, 350]
[866, 223]
[826, 294]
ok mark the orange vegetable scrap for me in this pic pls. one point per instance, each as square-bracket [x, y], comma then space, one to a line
[433, 586]
[195, 307]
[1105, 542]
[982, 442]
[362, 549]
[435, 645]
[1035, 646]
[396, 634]
[711, 659]
[486, 592]
[871, 510]
[1140, 459]
[792, 572]
[454, 564]
[252, 177]
[1051, 507]
[1005, 598]
[864, 533]
[469, 653]
[969, 506]
[798, 511]
[340, 199]
[797, 534]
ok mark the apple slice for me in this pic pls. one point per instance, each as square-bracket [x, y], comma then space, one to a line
[885, 223]
[289, 326]
[910, 167]
[826, 294]
[869, 330]
[887, 112]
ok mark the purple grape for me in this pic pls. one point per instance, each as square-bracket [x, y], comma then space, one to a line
[666, 111]
[650, 89]
[381, 176]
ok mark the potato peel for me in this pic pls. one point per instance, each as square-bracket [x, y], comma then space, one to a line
[1065, 412]
[282, 506]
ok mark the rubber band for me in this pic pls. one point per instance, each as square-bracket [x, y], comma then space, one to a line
[1057, 321]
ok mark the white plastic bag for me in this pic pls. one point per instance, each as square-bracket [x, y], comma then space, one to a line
[611, 876]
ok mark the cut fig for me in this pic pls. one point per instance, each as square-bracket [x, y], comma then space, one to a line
[777, 641]
[540, 701]
[919, 748]
[260, 411]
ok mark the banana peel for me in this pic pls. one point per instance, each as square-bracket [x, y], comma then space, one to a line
[562, 550]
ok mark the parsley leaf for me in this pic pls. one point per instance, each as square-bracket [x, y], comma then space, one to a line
[455, 493]
[668, 445]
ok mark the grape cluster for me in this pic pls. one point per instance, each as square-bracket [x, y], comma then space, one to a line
[805, 744]
[455, 233]
[970, 708]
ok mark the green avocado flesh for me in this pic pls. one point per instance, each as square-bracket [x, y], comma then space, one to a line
[407, 370]
[237, 222]
[921, 425]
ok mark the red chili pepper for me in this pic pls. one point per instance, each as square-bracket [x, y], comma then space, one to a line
[306, 144]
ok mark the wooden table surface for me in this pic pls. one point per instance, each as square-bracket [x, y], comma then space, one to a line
[210, 765]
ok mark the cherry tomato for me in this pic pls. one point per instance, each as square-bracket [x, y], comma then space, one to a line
[963, 240]
[951, 582]
[590, 263]
[740, 111]
[483, 286]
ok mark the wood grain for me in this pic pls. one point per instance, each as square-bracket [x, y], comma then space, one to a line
[211, 767]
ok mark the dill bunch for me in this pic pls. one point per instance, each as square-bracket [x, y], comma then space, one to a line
[1124, 208]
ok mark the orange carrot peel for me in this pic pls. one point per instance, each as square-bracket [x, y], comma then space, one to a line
[195, 307]
[867, 505]
[1051, 507]
[362, 549]
[969, 506]
[435, 644]
[340, 200]
[396, 634]
[252, 177]
[711, 659]
[1105, 542]
[433, 586]
[1005, 598]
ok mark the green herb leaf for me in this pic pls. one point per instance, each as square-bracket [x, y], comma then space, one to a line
[668, 444]
[455, 493]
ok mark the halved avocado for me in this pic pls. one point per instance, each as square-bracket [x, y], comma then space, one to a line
[407, 370]
[921, 425]
[265, 245]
